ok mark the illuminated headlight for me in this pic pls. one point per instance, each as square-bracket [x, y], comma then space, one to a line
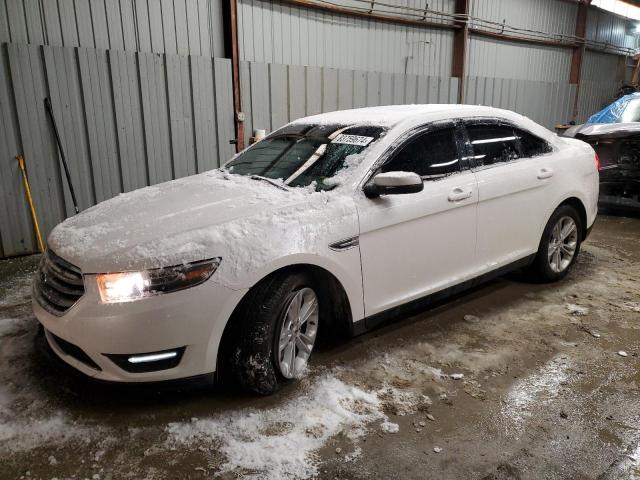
[129, 286]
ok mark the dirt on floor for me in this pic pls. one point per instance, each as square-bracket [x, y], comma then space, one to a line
[512, 380]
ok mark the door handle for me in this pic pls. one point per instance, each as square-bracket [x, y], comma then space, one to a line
[545, 173]
[459, 193]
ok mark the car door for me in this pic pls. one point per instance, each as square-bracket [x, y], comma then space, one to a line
[515, 172]
[415, 244]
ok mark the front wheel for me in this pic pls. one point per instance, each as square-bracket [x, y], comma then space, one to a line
[274, 333]
[559, 246]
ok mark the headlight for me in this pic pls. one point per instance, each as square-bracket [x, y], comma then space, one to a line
[129, 286]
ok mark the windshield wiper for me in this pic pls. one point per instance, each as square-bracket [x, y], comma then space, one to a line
[268, 180]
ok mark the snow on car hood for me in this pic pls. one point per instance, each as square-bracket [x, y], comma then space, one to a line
[246, 222]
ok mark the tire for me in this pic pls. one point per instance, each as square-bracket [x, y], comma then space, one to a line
[547, 265]
[253, 354]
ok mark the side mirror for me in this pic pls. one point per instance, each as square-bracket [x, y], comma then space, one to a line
[393, 183]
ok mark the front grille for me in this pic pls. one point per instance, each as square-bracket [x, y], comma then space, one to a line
[74, 351]
[58, 284]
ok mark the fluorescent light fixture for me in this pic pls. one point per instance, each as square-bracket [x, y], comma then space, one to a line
[154, 357]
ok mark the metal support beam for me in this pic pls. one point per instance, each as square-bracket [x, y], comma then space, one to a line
[578, 51]
[231, 50]
[460, 45]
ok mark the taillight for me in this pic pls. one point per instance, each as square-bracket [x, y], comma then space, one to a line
[597, 162]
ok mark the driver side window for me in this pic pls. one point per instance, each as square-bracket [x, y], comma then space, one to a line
[431, 155]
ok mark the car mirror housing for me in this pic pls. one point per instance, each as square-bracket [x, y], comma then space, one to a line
[393, 183]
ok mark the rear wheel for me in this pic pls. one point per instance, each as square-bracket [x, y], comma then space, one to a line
[559, 246]
[273, 333]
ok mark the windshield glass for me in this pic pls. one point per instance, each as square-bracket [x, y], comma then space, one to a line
[300, 155]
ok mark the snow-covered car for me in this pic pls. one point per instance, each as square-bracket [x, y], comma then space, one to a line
[329, 225]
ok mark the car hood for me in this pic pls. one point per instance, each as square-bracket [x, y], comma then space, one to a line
[213, 214]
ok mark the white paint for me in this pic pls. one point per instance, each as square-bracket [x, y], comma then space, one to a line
[459, 227]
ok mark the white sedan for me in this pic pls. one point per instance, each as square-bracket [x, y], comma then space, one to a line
[328, 225]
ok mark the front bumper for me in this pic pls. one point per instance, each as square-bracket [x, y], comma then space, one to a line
[190, 320]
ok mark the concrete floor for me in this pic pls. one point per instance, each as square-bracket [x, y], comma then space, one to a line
[545, 393]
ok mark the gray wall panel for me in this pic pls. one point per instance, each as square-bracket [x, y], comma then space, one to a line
[126, 120]
[175, 26]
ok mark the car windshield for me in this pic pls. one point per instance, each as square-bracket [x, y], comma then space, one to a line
[300, 155]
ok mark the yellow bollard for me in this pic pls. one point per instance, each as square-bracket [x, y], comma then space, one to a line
[20, 159]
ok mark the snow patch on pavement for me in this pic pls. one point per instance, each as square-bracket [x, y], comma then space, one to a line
[280, 442]
[534, 391]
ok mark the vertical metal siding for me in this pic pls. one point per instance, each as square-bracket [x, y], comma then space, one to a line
[174, 26]
[127, 120]
[273, 32]
[490, 57]
[598, 84]
[550, 16]
[608, 28]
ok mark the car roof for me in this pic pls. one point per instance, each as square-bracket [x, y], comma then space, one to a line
[392, 115]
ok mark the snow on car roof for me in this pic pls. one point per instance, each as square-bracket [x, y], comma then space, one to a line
[392, 115]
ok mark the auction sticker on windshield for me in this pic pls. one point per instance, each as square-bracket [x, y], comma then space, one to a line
[352, 140]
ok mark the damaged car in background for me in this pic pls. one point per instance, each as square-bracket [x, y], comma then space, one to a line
[329, 225]
[614, 133]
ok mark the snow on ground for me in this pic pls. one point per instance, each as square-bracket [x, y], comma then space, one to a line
[280, 442]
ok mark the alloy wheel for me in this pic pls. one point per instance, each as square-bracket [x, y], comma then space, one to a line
[298, 333]
[562, 244]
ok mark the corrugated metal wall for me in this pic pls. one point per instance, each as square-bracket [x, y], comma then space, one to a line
[608, 28]
[162, 26]
[547, 103]
[274, 32]
[273, 94]
[138, 95]
[551, 16]
[489, 57]
[598, 83]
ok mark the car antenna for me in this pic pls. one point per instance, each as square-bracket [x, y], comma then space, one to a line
[49, 109]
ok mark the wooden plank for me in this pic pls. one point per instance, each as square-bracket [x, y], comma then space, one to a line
[224, 107]
[17, 229]
[329, 89]
[278, 95]
[297, 92]
[153, 91]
